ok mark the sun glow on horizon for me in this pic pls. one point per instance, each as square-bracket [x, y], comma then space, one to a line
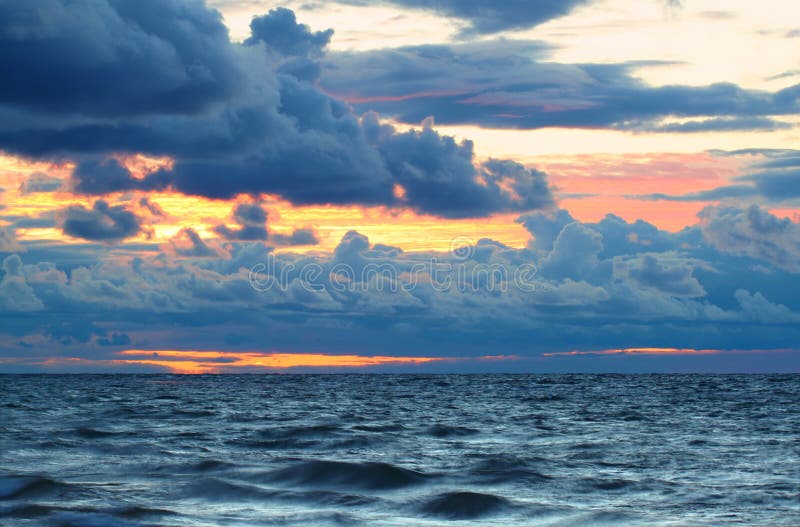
[184, 361]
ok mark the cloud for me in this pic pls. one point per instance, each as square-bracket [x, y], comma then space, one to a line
[114, 58]
[189, 244]
[545, 227]
[439, 175]
[104, 176]
[252, 219]
[724, 124]
[595, 294]
[753, 232]
[102, 222]
[638, 351]
[674, 278]
[152, 208]
[774, 178]
[296, 49]
[724, 192]
[574, 253]
[514, 84]
[8, 241]
[242, 120]
[618, 236]
[280, 31]
[235, 118]
[487, 16]
[15, 293]
[757, 307]
[116, 339]
[40, 182]
[302, 236]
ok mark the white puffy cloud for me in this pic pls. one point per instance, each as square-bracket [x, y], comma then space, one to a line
[753, 232]
[15, 293]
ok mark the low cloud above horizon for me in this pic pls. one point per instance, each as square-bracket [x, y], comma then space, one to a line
[267, 187]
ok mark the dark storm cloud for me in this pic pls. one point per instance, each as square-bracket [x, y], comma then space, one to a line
[280, 31]
[103, 176]
[252, 221]
[491, 16]
[237, 119]
[114, 57]
[509, 84]
[302, 236]
[296, 49]
[439, 176]
[102, 222]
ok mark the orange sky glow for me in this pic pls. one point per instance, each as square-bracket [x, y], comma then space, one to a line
[200, 362]
[589, 186]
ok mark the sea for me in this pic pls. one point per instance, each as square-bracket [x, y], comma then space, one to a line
[399, 450]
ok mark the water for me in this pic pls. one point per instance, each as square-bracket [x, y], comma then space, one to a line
[383, 450]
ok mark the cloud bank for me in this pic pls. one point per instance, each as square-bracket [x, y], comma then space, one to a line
[163, 78]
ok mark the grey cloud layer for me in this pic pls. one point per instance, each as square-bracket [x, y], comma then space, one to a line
[511, 84]
[606, 284]
[491, 16]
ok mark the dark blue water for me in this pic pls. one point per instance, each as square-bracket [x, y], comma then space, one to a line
[399, 450]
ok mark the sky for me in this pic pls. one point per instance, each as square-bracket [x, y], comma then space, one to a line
[386, 186]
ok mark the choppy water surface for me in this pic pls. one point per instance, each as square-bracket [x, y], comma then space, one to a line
[399, 450]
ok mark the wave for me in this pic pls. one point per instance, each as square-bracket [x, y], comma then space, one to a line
[326, 497]
[369, 475]
[504, 469]
[87, 519]
[628, 485]
[464, 505]
[216, 489]
[16, 487]
[93, 433]
[206, 465]
[193, 413]
[290, 432]
[379, 428]
[201, 466]
[27, 511]
[137, 511]
[274, 444]
[444, 431]
[480, 451]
